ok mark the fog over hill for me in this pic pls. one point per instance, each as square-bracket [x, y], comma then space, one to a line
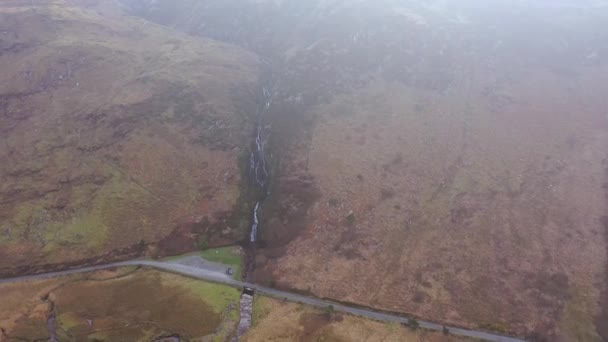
[444, 159]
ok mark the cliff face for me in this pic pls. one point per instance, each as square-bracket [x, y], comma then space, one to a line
[117, 137]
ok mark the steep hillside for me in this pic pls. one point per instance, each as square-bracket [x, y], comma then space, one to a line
[442, 159]
[119, 137]
[458, 165]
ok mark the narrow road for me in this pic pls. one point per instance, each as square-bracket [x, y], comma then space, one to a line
[214, 275]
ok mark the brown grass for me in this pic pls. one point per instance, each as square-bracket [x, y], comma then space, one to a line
[21, 306]
[474, 180]
[507, 217]
[283, 321]
[122, 306]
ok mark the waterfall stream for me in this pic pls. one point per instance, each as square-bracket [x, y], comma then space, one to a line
[259, 176]
[256, 222]
[258, 169]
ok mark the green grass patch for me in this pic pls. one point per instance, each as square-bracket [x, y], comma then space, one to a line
[88, 230]
[217, 296]
[70, 320]
[178, 257]
[498, 327]
[227, 256]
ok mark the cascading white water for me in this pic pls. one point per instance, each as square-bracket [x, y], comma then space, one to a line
[257, 161]
[256, 221]
[258, 171]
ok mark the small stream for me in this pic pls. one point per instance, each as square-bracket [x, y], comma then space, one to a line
[52, 322]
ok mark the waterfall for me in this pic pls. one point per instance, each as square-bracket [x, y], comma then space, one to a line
[256, 221]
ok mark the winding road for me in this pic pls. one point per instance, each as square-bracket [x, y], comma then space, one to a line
[211, 272]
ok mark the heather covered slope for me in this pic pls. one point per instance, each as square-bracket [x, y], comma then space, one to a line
[463, 178]
[446, 159]
[117, 136]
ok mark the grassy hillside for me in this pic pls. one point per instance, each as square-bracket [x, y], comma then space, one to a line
[455, 170]
[119, 137]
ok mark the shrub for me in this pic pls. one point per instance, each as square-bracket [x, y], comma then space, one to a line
[386, 193]
[332, 202]
[350, 219]
[414, 323]
[329, 311]
[203, 242]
